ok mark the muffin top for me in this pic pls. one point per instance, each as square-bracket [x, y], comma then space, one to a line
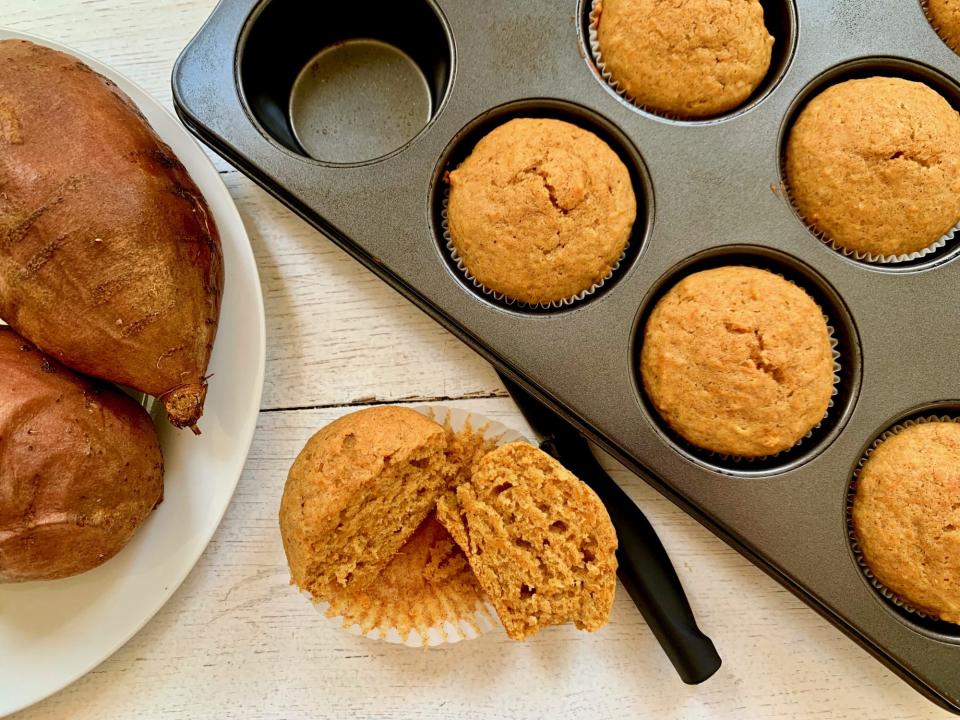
[945, 17]
[874, 165]
[906, 515]
[738, 361]
[691, 59]
[541, 210]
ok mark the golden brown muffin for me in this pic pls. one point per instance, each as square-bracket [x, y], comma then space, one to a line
[539, 540]
[874, 165]
[945, 17]
[738, 361]
[356, 492]
[691, 59]
[427, 583]
[541, 210]
[906, 516]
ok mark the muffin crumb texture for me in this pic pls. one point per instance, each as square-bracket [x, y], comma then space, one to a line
[426, 585]
[691, 59]
[541, 210]
[945, 17]
[356, 493]
[738, 361]
[539, 541]
[402, 524]
[873, 165]
[906, 517]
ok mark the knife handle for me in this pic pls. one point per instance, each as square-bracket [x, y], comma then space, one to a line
[647, 573]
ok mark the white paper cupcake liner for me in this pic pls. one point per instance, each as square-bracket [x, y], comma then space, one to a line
[851, 532]
[484, 618]
[448, 633]
[505, 299]
[872, 258]
[837, 369]
[593, 41]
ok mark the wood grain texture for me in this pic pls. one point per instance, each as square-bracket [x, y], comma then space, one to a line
[236, 641]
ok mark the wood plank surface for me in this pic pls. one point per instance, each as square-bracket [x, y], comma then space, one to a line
[236, 641]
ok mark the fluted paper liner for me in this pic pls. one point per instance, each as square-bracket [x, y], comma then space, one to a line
[873, 258]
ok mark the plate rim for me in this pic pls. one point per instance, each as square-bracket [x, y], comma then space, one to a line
[151, 610]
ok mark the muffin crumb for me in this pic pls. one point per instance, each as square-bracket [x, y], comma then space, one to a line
[539, 540]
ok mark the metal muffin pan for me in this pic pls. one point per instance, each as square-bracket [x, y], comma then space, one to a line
[709, 192]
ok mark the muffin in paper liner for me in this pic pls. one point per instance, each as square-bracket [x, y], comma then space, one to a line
[739, 459]
[499, 296]
[884, 591]
[427, 595]
[593, 41]
[872, 258]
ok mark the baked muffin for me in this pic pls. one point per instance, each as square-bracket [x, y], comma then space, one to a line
[874, 165]
[426, 585]
[689, 59]
[355, 494]
[906, 517]
[541, 210]
[945, 17]
[738, 361]
[539, 540]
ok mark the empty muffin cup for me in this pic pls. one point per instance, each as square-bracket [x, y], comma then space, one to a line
[340, 83]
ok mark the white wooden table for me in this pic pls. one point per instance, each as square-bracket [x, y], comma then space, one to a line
[237, 642]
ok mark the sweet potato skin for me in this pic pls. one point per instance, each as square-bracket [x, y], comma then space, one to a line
[110, 259]
[80, 467]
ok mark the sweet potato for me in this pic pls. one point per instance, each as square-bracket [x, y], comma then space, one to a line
[80, 466]
[109, 257]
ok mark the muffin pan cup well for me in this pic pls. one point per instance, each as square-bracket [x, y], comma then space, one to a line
[711, 187]
[781, 20]
[846, 361]
[939, 412]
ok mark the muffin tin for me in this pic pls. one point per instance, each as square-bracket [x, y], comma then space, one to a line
[709, 192]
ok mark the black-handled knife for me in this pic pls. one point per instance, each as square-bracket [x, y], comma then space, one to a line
[644, 566]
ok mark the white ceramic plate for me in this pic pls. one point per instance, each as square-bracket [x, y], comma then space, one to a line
[54, 632]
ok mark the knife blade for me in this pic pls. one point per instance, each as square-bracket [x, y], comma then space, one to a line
[645, 569]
